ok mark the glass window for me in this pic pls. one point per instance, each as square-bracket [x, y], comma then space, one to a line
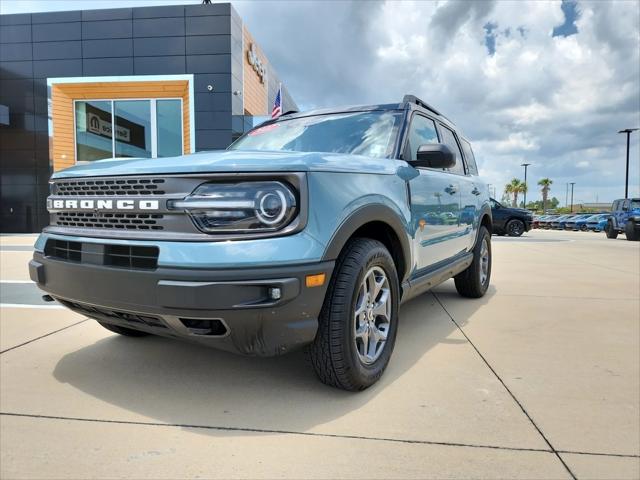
[169, 127]
[422, 131]
[133, 128]
[93, 130]
[469, 157]
[449, 139]
[361, 133]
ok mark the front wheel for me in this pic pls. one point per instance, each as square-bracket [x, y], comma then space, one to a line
[474, 281]
[610, 231]
[359, 319]
[631, 231]
[515, 227]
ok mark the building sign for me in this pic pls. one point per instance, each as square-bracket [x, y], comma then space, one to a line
[255, 62]
[101, 127]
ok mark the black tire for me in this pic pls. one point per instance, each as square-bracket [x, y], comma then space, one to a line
[610, 231]
[469, 283]
[127, 332]
[515, 227]
[631, 231]
[583, 228]
[334, 352]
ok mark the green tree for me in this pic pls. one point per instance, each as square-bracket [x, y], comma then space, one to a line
[545, 183]
[515, 187]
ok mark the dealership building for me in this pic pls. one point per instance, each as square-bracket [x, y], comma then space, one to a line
[148, 82]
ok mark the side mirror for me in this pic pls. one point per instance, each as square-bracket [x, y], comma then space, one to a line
[434, 155]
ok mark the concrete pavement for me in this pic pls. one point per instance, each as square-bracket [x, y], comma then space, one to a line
[539, 379]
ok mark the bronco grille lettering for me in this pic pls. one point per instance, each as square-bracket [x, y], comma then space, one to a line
[91, 204]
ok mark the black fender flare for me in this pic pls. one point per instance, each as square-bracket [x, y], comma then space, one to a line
[377, 212]
[485, 211]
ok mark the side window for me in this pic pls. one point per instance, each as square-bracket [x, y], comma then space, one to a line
[422, 131]
[469, 157]
[614, 207]
[449, 139]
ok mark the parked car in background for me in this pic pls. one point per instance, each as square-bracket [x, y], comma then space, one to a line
[624, 218]
[510, 221]
[572, 222]
[596, 223]
[545, 221]
[555, 223]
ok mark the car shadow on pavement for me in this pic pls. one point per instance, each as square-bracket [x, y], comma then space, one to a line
[179, 383]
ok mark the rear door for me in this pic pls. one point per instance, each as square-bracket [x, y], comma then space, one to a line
[435, 200]
[467, 193]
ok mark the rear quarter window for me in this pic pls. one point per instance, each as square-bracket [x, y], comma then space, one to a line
[469, 157]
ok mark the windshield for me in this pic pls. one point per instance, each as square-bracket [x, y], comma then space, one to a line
[370, 133]
[635, 204]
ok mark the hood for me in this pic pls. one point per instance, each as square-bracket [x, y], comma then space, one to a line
[236, 161]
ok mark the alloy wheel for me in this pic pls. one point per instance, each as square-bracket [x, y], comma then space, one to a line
[372, 316]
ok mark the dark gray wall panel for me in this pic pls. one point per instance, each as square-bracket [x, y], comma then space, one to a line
[40, 107]
[16, 69]
[55, 32]
[113, 47]
[209, 64]
[219, 81]
[40, 87]
[212, 102]
[19, 159]
[158, 27]
[15, 19]
[57, 50]
[16, 140]
[16, 88]
[12, 52]
[159, 65]
[106, 29]
[212, 139]
[213, 120]
[20, 121]
[208, 44]
[15, 33]
[107, 66]
[147, 47]
[158, 12]
[57, 68]
[56, 17]
[18, 104]
[209, 25]
[109, 14]
[16, 176]
[202, 10]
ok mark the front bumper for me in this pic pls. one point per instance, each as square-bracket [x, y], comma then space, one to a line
[237, 304]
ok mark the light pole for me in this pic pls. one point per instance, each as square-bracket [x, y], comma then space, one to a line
[626, 177]
[572, 184]
[566, 196]
[525, 165]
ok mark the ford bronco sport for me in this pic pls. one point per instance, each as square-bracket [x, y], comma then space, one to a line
[625, 218]
[310, 229]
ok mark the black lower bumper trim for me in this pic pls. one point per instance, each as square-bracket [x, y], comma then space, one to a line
[266, 311]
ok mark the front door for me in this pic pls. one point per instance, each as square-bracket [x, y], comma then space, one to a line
[435, 201]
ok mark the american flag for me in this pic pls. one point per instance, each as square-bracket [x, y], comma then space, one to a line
[277, 104]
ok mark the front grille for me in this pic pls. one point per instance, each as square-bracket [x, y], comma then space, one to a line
[125, 186]
[64, 250]
[119, 256]
[101, 312]
[122, 221]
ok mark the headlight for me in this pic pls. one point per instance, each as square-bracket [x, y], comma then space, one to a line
[246, 207]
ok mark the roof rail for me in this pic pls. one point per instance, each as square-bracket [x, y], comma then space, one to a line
[417, 101]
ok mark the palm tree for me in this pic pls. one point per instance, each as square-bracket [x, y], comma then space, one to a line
[514, 187]
[545, 183]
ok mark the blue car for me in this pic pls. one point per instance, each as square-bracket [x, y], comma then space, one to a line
[310, 229]
[596, 223]
[571, 223]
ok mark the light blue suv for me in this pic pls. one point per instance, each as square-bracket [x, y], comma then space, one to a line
[309, 230]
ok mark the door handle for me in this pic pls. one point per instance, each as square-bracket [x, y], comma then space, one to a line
[475, 191]
[451, 189]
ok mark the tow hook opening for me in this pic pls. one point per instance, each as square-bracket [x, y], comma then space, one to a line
[211, 327]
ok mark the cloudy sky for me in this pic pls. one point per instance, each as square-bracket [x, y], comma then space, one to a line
[546, 83]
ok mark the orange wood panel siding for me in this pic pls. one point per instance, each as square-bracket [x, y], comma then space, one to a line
[255, 92]
[62, 114]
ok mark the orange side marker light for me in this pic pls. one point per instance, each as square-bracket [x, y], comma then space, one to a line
[316, 280]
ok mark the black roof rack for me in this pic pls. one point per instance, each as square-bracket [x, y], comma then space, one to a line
[417, 101]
